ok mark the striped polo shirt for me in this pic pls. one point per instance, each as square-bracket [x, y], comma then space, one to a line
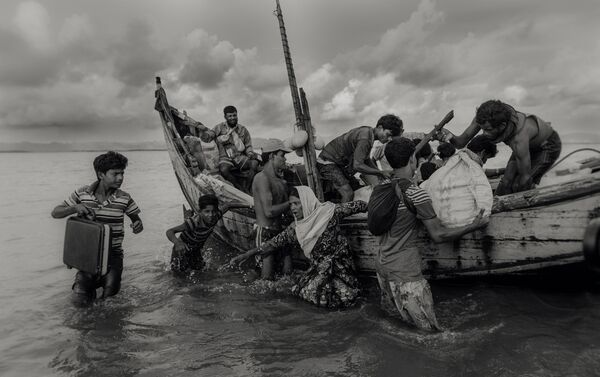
[399, 255]
[195, 233]
[110, 212]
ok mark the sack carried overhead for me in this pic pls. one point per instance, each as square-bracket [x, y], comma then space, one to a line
[459, 190]
[383, 205]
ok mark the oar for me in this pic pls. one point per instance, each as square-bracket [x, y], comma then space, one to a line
[435, 130]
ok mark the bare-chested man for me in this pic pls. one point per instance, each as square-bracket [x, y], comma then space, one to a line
[269, 190]
[535, 144]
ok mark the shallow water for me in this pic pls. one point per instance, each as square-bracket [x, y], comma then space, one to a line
[218, 324]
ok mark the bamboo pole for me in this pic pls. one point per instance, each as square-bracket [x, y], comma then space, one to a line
[301, 111]
[289, 65]
[309, 150]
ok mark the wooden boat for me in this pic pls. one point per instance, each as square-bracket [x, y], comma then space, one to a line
[529, 230]
[549, 226]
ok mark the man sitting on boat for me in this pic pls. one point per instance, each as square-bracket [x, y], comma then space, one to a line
[350, 153]
[235, 148]
[398, 264]
[534, 143]
[269, 191]
[195, 230]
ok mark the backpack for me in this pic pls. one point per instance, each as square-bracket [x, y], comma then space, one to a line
[383, 205]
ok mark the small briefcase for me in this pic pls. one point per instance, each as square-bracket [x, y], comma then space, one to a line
[87, 245]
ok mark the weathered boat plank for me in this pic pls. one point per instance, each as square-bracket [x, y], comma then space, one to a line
[548, 195]
[561, 221]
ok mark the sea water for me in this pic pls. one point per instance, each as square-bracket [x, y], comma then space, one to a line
[220, 324]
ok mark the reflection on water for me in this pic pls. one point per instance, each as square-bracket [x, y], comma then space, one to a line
[222, 324]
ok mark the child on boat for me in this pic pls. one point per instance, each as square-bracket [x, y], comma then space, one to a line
[106, 203]
[534, 143]
[195, 230]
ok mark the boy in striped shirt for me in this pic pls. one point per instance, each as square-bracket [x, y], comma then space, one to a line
[104, 202]
[403, 287]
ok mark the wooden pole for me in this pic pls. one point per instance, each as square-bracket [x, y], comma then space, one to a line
[289, 65]
[301, 111]
[547, 195]
[436, 128]
[309, 151]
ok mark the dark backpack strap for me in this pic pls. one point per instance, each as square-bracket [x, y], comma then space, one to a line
[401, 186]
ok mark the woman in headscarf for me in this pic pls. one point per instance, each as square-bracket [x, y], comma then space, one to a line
[330, 280]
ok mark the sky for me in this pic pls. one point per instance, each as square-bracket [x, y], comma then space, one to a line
[82, 70]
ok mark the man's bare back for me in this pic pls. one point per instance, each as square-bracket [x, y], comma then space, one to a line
[536, 130]
[534, 143]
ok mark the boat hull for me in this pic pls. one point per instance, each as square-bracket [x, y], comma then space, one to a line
[514, 241]
[527, 231]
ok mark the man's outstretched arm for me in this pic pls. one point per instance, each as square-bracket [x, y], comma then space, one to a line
[440, 233]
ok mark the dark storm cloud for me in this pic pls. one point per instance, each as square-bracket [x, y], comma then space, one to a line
[22, 65]
[137, 59]
[208, 60]
[81, 66]
[406, 52]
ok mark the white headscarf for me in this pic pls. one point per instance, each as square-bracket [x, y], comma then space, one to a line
[316, 218]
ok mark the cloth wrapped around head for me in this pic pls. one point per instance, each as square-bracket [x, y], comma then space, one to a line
[316, 217]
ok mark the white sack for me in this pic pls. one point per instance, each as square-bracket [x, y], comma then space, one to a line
[459, 190]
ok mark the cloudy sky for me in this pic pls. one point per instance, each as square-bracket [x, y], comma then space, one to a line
[82, 70]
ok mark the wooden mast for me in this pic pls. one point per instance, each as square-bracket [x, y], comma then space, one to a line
[301, 111]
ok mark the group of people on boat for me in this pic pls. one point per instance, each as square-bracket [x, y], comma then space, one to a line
[289, 217]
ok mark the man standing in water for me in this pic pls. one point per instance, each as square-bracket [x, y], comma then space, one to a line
[105, 202]
[398, 265]
[269, 191]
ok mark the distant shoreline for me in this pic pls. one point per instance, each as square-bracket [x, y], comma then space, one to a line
[87, 150]
[164, 149]
[62, 147]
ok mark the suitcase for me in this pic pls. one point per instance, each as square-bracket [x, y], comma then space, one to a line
[87, 245]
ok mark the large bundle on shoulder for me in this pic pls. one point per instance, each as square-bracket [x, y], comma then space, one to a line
[459, 190]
